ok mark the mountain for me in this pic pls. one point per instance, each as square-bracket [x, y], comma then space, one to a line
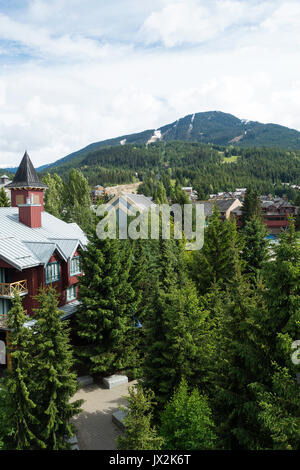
[213, 127]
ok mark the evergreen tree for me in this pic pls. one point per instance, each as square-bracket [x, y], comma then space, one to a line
[251, 206]
[139, 433]
[242, 361]
[280, 397]
[77, 201]
[105, 321]
[279, 410]
[179, 196]
[172, 329]
[257, 395]
[256, 247]
[4, 200]
[141, 276]
[55, 382]
[186, 422]
[218, 260]
[17, 408]
[282, 276]
[165, 179]
[160, 195]
[213, 307]
[54, 195]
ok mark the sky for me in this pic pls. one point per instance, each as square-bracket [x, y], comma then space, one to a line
[74, 72]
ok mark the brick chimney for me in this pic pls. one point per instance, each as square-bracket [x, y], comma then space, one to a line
[30, 213]
[27, 193]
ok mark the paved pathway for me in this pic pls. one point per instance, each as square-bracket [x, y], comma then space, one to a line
[95, 429]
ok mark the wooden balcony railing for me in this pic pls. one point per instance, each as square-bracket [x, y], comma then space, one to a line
[8, 290]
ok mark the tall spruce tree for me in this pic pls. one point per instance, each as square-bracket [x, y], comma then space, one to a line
[55, 382]
[282, 276]
[251, 206]
[257, 396]
[242, 361]
[77, 201]
[139, 276]
[172, 328]
[139, 432]
[160, 195]
[213, 306]
[54, 195]
[179, 196]
[279, 410]
[218, 260]
[105, 321]
[17, 406]
[186, 422]
[279, 399]
[256, 247]
[142, 275]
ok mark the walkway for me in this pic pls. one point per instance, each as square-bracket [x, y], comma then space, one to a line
[95, 429]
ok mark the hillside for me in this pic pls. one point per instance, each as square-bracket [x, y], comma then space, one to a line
[212, 127]
[208, 168]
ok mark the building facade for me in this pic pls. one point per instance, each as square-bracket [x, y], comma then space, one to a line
[275, 211]
[36, 250]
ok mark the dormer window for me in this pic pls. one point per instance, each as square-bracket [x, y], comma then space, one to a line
[52, 272]
[75, 266]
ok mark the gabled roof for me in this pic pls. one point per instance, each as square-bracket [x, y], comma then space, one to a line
[24, 247]
[140, 201]
[67, 247]
[26, 176]
[222, 204]
[43, 251]
[128, 201]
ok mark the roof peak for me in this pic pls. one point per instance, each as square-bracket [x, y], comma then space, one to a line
[26, 175]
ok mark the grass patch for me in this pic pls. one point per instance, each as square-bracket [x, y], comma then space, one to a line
[232, 159]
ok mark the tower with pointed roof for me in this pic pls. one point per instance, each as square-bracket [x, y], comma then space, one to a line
[27, 193]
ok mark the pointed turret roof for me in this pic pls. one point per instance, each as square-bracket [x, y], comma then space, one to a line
[26, 176]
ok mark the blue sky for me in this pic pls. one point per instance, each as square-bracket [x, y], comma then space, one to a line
[73, 72]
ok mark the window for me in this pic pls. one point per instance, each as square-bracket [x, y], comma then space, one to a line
[71, 293]
[2, 353]
[4, 307]
[52, 272]
[19, 199]
[75, 266]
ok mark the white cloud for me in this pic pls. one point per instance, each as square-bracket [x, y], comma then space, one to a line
[284, 18]
[194, 21]
[67, 46]
[2, 93]
[89, 75]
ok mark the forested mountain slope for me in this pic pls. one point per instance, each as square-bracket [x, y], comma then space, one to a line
[209, 127]
[209, 168]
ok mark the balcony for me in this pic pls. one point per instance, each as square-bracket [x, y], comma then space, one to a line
[8, 290]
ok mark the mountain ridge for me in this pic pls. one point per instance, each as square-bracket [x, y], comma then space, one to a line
[213, 127]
